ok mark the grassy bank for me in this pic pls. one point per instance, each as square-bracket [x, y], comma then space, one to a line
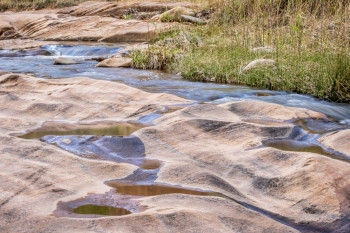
[308, 40]
[18, 5]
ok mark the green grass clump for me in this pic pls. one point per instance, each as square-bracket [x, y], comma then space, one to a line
[310, 40]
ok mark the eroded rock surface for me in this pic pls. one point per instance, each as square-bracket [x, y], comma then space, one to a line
[338, 140]
[89, 21]
[139, 10]
[116, 62]
[217, 148]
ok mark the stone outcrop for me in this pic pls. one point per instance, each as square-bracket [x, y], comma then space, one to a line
[259, 63]
[89, 21]
[116, 62]
[64, 61]
[338, 141]
[12, 44]
[52, 26]
[204, 147]
[138, 10]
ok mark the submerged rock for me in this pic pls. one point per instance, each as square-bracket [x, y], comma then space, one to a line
[115, 62]
[64, 61]
[259, 63]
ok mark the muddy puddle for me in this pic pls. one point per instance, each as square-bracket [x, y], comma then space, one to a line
[101, 210]
[98, 129]
[151, 164]
[155, 189]
[296, 146]
[123, 199]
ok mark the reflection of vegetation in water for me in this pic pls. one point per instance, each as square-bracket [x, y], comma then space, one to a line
[101, 210]
[308, 41]
[121, 130]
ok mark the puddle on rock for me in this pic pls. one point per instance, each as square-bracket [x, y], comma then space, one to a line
[319, 126]
[123, 198]
[97, 206]
[291, 145]
[155, 189]
[101, 210]
[98, 129]
[301, 140]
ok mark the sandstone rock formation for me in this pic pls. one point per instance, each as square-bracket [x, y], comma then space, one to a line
[90, 21]
[12, 44]
[115, 62]
[208, 147]
[338, 140]
[138, 10]
[64, 61]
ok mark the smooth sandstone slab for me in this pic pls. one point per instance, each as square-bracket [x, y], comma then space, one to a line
[115, 62]
[339, 141]
[51, 26]
[89, 21]
[210, 147]
[35, 176]
[64, 61]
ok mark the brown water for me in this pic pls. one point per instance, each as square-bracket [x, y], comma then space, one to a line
[291, 145]
[101, 210]
[124, 129]
[150, 164]
[155, 189]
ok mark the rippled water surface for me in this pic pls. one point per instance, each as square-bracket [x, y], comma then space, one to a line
[40, 63]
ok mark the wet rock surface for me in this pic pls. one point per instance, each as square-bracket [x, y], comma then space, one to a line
[115, 62]
[64, 61]
[202, 168]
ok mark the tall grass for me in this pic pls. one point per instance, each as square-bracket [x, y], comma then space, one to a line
[311, 39]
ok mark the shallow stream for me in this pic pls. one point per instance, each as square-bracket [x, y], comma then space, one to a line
[39, 61]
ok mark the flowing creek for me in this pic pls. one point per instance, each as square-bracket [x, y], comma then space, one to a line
[115, 142]
[41, 65]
